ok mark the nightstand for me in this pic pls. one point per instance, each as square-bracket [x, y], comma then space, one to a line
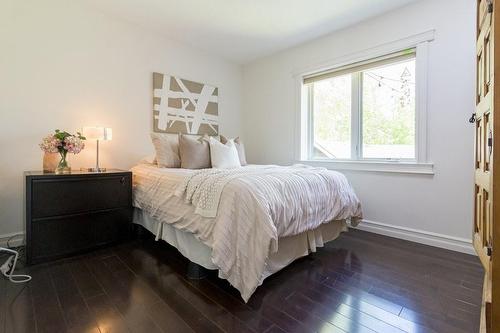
[74, 213]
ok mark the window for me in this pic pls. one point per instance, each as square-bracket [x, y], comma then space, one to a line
[365, 111]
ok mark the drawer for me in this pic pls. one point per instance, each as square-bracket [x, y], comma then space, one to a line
[59, 237]
[112, 192]
[71, 195]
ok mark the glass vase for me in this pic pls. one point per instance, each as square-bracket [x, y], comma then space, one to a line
[63, 166]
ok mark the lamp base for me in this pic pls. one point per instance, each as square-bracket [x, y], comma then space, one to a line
[93, 169]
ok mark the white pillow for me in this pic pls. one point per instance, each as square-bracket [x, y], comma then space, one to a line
[239, 147]
[167, 150]
[223, 156]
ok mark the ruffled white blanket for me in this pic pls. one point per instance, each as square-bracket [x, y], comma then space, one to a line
[249, 208]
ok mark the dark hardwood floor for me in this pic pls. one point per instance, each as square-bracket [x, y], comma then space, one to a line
[361, 282]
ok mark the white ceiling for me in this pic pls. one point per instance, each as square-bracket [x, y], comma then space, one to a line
[243, 30]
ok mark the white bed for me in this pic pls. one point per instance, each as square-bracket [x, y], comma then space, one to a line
[262, 222]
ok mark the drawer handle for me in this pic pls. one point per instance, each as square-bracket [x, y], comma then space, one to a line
[122, 180]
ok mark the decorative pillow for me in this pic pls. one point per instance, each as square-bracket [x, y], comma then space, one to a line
[150, 159]
[194, 152]
[167, 150]
[239, 147]
[224, 156]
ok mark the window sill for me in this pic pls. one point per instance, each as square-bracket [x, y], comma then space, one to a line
[374, 166]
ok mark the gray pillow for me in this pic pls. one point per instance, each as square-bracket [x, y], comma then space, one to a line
[239, 147]
[194, 152]
[167, 150]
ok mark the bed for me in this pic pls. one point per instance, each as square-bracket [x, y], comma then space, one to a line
[246, 223]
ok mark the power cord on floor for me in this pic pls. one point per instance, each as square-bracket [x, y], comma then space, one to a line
[9, 266]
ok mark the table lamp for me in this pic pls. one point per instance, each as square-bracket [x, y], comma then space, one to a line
[98, 134]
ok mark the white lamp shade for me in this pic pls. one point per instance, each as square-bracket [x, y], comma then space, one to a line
[97, 133]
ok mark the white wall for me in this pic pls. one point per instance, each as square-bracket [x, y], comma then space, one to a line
[438, 207]
[64, 66]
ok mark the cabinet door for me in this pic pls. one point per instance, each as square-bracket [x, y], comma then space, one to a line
[483, 137]
[486, 237]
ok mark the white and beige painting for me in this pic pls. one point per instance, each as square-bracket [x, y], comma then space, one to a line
[183, 106]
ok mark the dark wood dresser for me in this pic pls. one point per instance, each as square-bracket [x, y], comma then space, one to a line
[77, 212]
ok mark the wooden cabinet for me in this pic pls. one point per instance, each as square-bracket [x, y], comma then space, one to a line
[69, 214]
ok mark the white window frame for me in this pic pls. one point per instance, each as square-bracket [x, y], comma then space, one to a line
[304, 142]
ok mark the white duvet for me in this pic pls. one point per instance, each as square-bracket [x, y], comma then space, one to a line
[241, 213]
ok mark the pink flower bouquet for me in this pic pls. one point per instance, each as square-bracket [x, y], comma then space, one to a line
[63, 143]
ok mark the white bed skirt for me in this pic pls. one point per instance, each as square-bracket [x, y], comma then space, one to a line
[289, 248]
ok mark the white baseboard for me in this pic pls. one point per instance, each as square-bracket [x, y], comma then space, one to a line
[419, 236]
[16, 239]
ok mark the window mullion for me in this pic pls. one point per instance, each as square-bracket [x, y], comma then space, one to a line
[355, 117]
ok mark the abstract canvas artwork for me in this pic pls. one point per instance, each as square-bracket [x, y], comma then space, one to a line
[183, 106]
